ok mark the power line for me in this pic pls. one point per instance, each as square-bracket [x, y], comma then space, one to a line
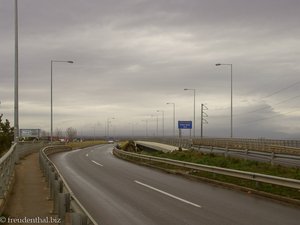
[278, 103]
[271, 117]
[281, 90]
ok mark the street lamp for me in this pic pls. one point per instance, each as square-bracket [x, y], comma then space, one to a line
[194, 122]
[163, 121]
[108, 124]
[156, 123]
[16, 82]
[52, 61]
[171, 103]
[231, 120]
[146, 127]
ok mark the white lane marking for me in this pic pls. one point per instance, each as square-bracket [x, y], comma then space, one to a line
[87, 155]
[168, 194]
[97, 163]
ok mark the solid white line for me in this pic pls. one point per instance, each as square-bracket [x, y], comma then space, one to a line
[97, 163]
[165, 193]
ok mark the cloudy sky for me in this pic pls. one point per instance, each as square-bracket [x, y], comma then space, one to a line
[133, 56]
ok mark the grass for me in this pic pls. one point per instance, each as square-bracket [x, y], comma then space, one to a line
[85, 144]
[237, 164]
[230, 163]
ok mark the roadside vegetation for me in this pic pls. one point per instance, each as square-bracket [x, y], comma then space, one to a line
[230, 163]
[85, 144]
[6, 135]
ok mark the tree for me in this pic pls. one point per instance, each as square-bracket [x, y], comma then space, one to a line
[58, 133]
[71, 133]
[6, 135]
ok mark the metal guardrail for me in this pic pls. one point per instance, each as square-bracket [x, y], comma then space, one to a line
[7, 171]
[244, 147]
[286, 182]
[65, 203]
[267, 156]
[290, 147]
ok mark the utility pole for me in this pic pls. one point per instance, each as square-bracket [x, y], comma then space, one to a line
[203, 116]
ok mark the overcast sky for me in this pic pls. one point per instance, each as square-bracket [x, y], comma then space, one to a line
[133, 56]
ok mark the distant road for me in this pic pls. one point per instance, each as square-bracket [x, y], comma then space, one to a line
[118, 192]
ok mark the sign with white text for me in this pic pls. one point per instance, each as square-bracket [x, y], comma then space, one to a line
[185, 124]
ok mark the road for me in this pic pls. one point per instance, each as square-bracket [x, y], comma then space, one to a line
[117, 192]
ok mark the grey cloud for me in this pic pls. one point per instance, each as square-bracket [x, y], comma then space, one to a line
[133, 56]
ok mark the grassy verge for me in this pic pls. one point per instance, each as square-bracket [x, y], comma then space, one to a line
[85, 144]
[232, 163]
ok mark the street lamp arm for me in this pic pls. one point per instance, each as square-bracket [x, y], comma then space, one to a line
[67, 61]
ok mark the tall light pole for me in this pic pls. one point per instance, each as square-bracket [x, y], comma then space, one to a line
[16, 101]
[146, 127]
[231, 120]
[163, 121]
[194, 122]
[156, 123]
[108, 124]
[172, 103]
[52, 61]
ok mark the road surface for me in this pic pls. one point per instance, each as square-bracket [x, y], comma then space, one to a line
[117, 192]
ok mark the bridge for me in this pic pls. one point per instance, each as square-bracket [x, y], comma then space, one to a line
[95, 185]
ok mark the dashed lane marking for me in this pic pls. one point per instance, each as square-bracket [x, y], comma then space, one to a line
[168, 194]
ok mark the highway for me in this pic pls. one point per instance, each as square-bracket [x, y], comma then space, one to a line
[117, 192]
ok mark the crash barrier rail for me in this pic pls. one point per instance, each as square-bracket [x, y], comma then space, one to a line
[254, 147]
[290, 147]
[265, 156]
[286, 182]
[7, 172]
[65, 204]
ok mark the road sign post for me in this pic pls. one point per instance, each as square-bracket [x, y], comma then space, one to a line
[184, 125]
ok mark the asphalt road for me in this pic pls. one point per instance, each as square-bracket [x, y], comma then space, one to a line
[117, 192]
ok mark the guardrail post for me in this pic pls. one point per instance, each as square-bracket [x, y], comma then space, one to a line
[55, 197]
[49, 169]
[246, 153]
[78, 219]
[51, 184]
[226, 152]
[272, 158]
[63, 199]
[211, 149]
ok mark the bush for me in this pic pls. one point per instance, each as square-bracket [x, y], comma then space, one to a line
[6, 135]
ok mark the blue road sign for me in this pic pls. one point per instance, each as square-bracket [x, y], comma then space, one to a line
[185, 124]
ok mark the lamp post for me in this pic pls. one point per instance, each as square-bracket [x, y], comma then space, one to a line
[146, 127]
[194, 122]
[108, 124]
[156, 123]
[172, 103]
[163, 121]
[52, 61]
[16, 91]
[231, 120]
